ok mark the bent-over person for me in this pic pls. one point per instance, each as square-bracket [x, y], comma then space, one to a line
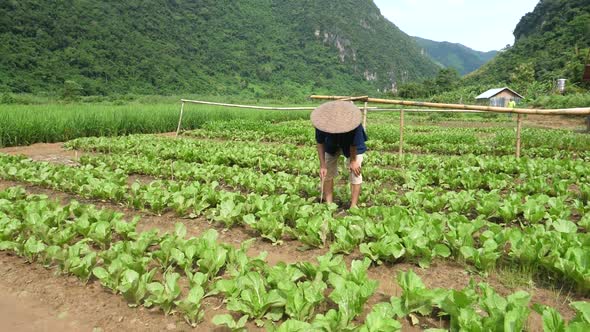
[338, 131]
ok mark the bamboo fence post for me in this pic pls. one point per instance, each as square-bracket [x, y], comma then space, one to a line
[365, 116]
[180, 119]
[518, 131]
[401, 132]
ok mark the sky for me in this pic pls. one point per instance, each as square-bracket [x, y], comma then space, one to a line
[478, 24]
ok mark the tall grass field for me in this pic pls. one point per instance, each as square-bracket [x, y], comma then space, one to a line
[28, 124]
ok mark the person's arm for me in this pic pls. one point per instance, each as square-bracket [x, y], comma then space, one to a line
[355, 167]
[322, 156]
[357, 139]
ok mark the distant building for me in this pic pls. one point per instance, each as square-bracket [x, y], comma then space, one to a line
[498, 97]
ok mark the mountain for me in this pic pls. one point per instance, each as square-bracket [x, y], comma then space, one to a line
[454, 55]
[264, 48]
[550, 42]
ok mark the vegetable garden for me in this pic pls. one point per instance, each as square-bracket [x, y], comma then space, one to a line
[457, 203]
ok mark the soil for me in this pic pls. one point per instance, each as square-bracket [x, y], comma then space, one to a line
[555, 122]
[20, 312]
[34, 298]
[50, 152]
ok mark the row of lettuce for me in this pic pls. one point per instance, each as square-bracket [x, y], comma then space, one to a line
[177, 274]
[552, 244]
[384, 135]
[497, 188]
[174, 158]
[491, 195]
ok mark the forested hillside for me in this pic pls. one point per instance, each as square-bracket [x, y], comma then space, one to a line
[454, 55]
[266, 48]
[550, 42]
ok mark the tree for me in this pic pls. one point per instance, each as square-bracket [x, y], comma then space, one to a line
[575, 66]
[446, 79]
[72, 90]
[523, 75]
[412, 91]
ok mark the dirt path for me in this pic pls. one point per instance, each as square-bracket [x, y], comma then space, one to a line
[51, 152]
[555, 122]
[22, 312]
[43, 301]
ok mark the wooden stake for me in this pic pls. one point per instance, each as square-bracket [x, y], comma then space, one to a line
[401, 132]
[365, 116]
[180, 119]
[518, 130]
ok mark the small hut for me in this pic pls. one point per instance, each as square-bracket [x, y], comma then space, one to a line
[498, 97]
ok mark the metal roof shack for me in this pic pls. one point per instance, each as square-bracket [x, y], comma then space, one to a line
[499, 97]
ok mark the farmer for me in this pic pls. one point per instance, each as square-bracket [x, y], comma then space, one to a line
[512, 103]
[338, 130]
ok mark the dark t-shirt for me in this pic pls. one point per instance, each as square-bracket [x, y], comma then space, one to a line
[333, 142]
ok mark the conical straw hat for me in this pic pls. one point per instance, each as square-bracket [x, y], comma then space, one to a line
[336, 117]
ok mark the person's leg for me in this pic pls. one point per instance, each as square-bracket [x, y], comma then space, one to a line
[355, 184]
[355, 193]
[329, 191]
[332, 166]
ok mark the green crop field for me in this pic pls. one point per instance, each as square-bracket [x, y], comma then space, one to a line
[457, 234]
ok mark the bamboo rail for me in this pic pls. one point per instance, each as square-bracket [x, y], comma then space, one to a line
[249, 106]
[310, 108]
[561, 111]
[361, 98]
[375, 109]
